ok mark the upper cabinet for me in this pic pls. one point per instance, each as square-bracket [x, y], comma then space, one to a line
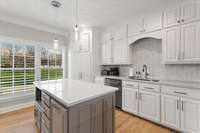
[181, 33]
[114, 46]
[186, 12]
[148, 23]
[83, 44]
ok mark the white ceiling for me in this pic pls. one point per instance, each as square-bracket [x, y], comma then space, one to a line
[40, 14]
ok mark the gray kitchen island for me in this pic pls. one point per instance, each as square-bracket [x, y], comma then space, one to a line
[72, 106]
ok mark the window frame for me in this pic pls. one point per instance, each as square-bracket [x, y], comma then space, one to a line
[37, 62]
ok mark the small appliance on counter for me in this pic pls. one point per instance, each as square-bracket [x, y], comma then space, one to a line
[113, 71]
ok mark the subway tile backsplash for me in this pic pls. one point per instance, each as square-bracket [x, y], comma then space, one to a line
[149, 51]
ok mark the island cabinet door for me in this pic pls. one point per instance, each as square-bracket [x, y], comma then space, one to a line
[80, 119]
[109, 115]
[58, 118]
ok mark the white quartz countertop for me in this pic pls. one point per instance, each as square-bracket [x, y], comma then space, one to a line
[72, 92]
[162, 82]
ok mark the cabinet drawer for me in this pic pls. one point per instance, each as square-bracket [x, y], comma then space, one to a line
[46, 109]
[45, 121]
[45, 99]
[150, 87]
[179, 91]
[127, 84]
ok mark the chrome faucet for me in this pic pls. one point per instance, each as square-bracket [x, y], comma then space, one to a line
[144, 69]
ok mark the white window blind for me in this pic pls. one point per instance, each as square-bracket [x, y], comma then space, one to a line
[51, 64]
[17, 62]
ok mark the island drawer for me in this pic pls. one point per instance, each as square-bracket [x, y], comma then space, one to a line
[46, 99]
[46, 109]
[45, 121]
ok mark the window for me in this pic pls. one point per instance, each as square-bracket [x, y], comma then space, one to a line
[51, 64]
[17, 62]
[17, 65]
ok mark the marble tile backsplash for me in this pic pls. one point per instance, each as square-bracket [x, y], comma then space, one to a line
[149, 51]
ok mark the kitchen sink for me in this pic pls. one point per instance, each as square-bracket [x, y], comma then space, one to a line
[143, 79]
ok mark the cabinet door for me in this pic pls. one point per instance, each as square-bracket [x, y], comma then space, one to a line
[190, 115]
[109, 115]
[120, 51]
[135, 27]
[81, 66]
[106, 51]
[130, 100]
[153, 22]
[171, 44]
[172, 16]
[84, 41]
[149, 105]
[190, 36]
[119, 31]
[58, 118]
[170, 109]
[190, 11]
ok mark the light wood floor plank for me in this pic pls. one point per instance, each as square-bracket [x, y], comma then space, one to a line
[22, 121]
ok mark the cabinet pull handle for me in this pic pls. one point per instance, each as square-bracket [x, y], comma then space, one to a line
[129, 85]
[177, 104]
[57, 108]
[182, 106]
[182, 20]
[179, 21]
[149, 88]
[136, 95]
[182, 93]
[140, 96]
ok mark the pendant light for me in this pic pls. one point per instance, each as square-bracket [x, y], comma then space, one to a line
[76, 26]
[55, 4]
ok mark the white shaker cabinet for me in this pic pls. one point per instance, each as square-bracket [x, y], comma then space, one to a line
[130, 97]
[186, 12]
[170, 111]
[149, 105]
[106, 49]
[190, 42]
[171, 44]
[120, 51]
[181, 44]
[136, 27]
[114, 49]
[83, 42]
[190, 11]
[153, 22]
[81, 66]
[172, 16]
[130, 101]
[190, 115]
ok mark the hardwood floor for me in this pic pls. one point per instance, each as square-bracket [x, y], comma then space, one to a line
[22, 121]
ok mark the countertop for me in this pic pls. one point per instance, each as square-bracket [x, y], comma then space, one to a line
[162, 82]
[72, 92]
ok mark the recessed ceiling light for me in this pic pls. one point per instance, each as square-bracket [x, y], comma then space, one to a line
[55, 3]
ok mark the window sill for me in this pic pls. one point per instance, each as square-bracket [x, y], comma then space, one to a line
[16, 96]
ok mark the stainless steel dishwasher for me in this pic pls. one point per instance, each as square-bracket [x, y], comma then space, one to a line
[118, 95]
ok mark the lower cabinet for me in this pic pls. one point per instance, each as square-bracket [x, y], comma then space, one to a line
[170, 111]
[181, 113]
[190, 115]
[130, 100]
[149, 105]
[58, 118]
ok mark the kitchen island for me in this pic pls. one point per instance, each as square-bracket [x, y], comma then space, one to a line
[72, 106]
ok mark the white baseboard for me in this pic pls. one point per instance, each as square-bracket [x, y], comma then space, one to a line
[16, 107]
